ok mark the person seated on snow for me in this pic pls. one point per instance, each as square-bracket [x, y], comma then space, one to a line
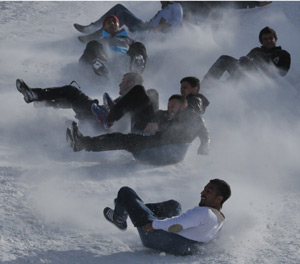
[69, 96]
[170, 16]
[270, 59]
[182, 125]
[161, 226]
[145, 117]
[113, 40]
[190, 88]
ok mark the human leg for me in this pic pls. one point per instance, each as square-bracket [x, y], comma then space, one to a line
[224, 63]
[138, 103]
[125, 17]
[95, 56]
[138, 57]
[128, 200]
[113, 141]
[165, 209]
[168, 242]
[77, 100]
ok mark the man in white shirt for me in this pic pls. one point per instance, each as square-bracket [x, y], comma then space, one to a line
[161, 226]
[170, 15]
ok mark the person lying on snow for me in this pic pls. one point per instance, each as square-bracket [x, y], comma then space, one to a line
[270, 59]
[112, 40]
[145, 120]
[179, 125]
[69, 96]
[161, 226]
[170, 16]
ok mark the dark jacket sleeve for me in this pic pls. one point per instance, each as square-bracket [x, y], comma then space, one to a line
[282, 60]
[197, 102]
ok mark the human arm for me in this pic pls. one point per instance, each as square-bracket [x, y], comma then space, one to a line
[282, 60]
[148, 228]
[169, 16]
[151, 127]
[192, 218]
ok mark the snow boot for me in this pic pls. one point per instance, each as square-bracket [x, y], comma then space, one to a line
[29, 95]
[101, 116]
[100, 68]
[74, 137]
[138, 64]
[110, 216]
[108, 102]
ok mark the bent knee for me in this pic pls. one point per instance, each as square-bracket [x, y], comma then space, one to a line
[124, 190]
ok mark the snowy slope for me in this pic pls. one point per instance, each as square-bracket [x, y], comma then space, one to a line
[51, 199]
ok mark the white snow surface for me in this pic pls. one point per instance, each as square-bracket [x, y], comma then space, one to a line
[51, 199]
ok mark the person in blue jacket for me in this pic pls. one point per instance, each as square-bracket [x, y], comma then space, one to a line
[109, 41]
[161, 226]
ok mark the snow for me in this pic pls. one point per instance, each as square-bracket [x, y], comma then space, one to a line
[51, 199]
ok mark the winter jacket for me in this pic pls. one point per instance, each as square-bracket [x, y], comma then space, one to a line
[279, 57]
[118, 43]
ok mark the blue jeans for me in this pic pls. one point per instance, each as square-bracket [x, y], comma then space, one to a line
[141, 214]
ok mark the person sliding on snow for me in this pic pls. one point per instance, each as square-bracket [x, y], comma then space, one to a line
[69, 96]
[161, 226]
[111, 40]
[145, 117]
[179, 125]
[170, 16]
[270, 59]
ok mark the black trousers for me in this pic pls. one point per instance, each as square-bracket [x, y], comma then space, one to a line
[138, 103]
[118, 141]
[68, 96]
[95, 50]
[233, 66]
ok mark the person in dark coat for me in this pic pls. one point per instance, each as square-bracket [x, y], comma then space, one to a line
[270, 59]
[70, 97]
[183, 125]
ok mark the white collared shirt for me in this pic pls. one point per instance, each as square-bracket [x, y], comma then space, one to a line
[201, 223]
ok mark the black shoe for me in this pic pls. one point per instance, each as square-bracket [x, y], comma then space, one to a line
[100, 68]
[117, 221]
[108, 102]
[74, 137]
[29, 95]
[138, 64]
[101, 116]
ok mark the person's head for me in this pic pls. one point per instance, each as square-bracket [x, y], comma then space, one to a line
[111, 24]
[176, 104]
[268, 37]
[130, 80]
[189, 85]
[215, 193]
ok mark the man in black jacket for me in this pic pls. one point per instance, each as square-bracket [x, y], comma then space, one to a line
[69, 96]
[183, 125]
[147, 120]
[270, 59]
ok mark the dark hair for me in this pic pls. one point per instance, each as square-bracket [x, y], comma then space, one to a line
[267, 30]
[179, 97]
[223, 189]
[193, 81]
